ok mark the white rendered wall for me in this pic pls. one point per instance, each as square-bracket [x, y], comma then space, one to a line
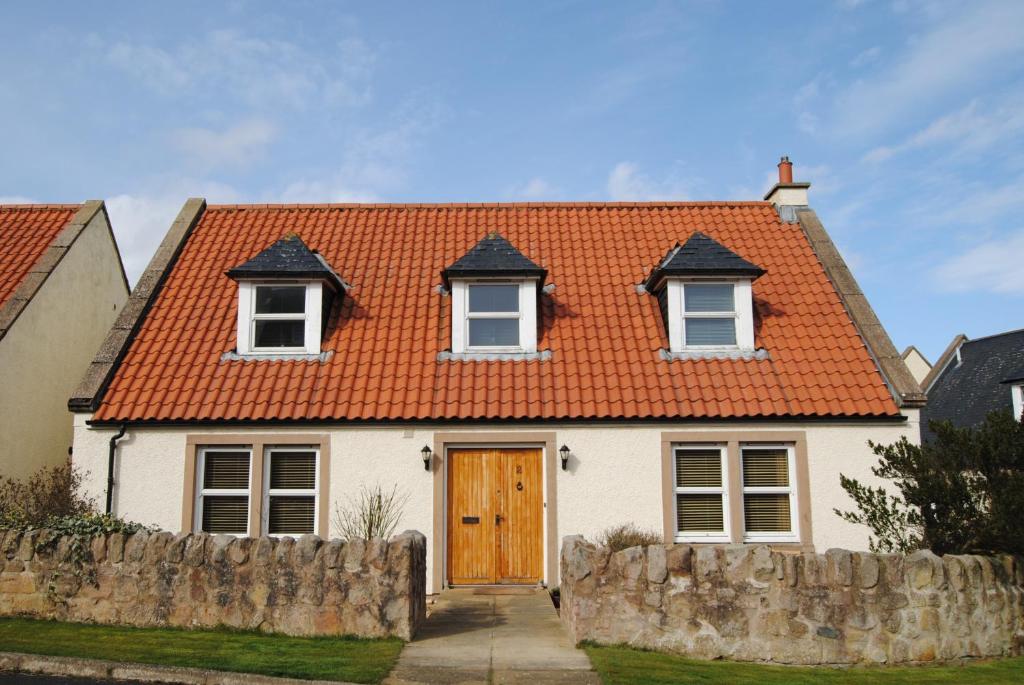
[614, 476]
[48, 349]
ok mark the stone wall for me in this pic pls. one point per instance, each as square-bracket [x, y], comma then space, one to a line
[372, 588]
[750, 603]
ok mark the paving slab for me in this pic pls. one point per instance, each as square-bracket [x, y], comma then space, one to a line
[493, 635]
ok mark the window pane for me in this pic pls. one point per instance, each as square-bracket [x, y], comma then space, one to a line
[699, 468]
[767, 514]
[223, 514]
[493, 332]
[708, 297]
[280, 299]
[766, 468]
[700, 513]
[226, 471]
[494, 298]
[710, 331]
[291, 515]
[271, 333]
[292, 470]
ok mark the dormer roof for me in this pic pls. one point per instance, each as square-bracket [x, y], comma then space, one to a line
[493, 256]
[701, 256]
[289, 257]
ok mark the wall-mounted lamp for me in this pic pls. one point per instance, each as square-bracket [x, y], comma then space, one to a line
[564, 452]
[426, 452]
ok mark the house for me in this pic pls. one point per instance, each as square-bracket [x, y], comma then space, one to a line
[975, 377]
[61, 288]
[917, 363]
[520, 371]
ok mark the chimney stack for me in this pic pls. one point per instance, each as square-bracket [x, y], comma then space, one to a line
[787, 195]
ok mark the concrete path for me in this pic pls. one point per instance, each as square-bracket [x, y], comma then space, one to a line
[493, 635]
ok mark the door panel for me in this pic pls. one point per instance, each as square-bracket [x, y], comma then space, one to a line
[495, 516]
[521, 498]
[470, 517]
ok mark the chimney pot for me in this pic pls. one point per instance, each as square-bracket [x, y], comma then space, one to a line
[785, 171]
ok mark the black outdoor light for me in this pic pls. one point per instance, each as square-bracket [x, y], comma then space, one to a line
[564, 451]
[426, 452]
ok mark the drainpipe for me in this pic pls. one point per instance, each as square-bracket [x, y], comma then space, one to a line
[110, 465]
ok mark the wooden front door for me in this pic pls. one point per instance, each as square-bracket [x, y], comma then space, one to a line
[495, 516]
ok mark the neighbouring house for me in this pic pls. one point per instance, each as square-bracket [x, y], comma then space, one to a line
[61, 288]
[917, 363]
[975, 377]
[520, 371]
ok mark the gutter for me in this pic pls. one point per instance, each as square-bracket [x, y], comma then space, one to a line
[110, 465]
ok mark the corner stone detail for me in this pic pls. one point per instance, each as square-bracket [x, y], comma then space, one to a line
[369, 588]
[749, 603]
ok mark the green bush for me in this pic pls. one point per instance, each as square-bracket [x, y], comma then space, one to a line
[961, 493]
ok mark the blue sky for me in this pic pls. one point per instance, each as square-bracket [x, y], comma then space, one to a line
[906, 116]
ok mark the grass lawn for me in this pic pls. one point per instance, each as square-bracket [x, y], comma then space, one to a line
[327, 658]
[623, 665]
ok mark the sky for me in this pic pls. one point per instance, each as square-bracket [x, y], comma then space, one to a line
[906, 116]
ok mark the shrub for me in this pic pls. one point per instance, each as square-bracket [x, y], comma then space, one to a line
[50, 492]
[961, 493]
[374, 513]
[618, 538]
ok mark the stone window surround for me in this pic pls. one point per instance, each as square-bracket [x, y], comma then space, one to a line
[732, 440]
[258, 442]
[438, 467]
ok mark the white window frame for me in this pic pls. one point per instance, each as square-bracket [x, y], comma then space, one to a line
[743, 303]
[723, 490]
[527, 316]
[791, 490]
[268, 452]
[1017, 397]
[247, 318]
[202, 491]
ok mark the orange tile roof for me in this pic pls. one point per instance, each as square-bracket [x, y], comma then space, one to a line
[604, 336]
[25, 233]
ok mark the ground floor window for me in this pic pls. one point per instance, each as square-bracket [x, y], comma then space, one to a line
[223, 495]
[769, 495]
[701, 493]
[291, 490]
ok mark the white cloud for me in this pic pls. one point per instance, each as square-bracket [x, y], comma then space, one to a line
[807, 122]
[235, 146]
[866, 57]
[627, 183]
[954, 52]
[993, 266]
[970, 128]
[262, 72]
[534, 189]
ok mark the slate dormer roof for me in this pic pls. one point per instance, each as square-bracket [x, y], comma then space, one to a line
[288, 258]
[493, 256]
[701, 256]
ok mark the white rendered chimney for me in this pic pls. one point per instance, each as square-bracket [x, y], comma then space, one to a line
[786, 193]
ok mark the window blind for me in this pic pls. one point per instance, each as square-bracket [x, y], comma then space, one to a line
[291, 515]
[699, 513]
[225, 514]
[710, 331]
[709, 297]
[765, 468]
[767, 513]
[699, 468]
[292, 470]
[226, 471]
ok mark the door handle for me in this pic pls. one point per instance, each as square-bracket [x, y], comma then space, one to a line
[497, 519]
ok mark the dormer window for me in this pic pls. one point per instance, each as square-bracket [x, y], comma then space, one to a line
[284, 296]
[705, 294]
[494, 290]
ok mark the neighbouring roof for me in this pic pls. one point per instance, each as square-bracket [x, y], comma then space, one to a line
[493, 256]
[26, 231]
[603, 335]
[965, 392]
[1014, 376]
[288, 257]
[702, 256]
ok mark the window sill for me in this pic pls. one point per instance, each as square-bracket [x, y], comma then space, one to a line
[771, 540]
[690, 540]
[713, 353]
[479, 356]
[233, 356]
